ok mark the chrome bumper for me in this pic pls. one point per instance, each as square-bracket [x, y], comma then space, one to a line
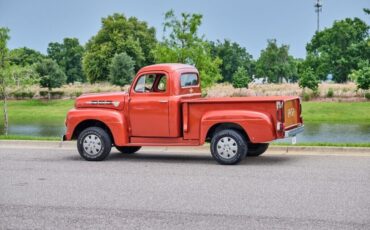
[294, 132]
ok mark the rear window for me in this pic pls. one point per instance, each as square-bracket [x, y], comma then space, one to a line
[189, 79]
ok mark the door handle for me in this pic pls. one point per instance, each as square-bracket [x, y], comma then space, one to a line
[162, 101]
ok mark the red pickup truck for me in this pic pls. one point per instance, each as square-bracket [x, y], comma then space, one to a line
[164, 107]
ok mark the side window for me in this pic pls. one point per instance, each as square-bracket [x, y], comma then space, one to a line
[140, 85]
[189, 79]
[145, 84]
[162, 85]
[151, 83]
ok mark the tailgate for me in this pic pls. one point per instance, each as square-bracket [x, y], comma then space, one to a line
[292, 113]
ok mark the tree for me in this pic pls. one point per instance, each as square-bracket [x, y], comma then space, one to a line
[233, 56]
[24, 56]
[68, 55]
[121, 70]
[362, 75]
[308, 80]
[51, 75]
[275, 63]
[338, 49]
[11, 75]
[117, 35]
[183, 45]
[4, 37]
[241, 78]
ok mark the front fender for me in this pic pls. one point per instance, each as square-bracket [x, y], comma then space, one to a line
[258, 126]
[113, 119]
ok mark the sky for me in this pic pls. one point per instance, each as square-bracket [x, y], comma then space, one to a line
[36, 23]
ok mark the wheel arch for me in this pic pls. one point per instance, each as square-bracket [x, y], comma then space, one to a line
[91, 123]
[255, 126]
[225, 125]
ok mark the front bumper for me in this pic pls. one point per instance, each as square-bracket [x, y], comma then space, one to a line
[294, 132]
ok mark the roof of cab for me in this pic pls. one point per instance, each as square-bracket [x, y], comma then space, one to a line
[168, 67]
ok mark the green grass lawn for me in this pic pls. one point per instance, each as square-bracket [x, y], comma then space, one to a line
[337, 112]
[37, 111]
[28, 138]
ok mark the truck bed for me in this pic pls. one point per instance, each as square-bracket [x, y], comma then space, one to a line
[195, 111]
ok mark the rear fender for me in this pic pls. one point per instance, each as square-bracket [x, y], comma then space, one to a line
[258, 126]
[113, 119]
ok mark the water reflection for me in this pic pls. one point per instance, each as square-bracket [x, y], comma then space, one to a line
[337, 133]
[314, 132]
[40, 130]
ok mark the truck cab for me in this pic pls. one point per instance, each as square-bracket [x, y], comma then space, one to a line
[164, 107]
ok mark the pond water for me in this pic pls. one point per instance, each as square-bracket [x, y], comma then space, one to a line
[336, 133]
[314, 132]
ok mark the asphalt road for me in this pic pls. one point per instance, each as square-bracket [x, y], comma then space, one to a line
[48, 188]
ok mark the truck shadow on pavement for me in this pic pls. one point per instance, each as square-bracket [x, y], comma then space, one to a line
[171, 158]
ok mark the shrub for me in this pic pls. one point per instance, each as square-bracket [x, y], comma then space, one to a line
[367, 96]
[53, 94]
[308, 80]
[56, 94]
[43, 93]
[240, 78]
[330, 93]
[77, 93]
[362, 75]
[22, 95]
[306, 96]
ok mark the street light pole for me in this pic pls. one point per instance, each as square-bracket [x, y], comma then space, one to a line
[318, 8]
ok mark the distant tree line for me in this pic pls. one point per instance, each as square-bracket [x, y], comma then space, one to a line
[123, 45]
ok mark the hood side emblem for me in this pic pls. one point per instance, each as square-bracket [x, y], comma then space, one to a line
[116, 103]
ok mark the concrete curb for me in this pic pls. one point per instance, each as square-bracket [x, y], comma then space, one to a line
[72, 145]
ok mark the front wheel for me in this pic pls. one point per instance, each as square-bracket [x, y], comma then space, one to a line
[228, 147]
[256, 149]
[128, 149]
[94, 144]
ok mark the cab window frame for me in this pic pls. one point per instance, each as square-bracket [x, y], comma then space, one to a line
[158, 76]
[189, 86]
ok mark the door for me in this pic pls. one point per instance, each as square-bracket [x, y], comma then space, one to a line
[148, 106]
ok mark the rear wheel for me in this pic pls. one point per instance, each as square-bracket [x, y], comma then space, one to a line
[228, 147]
[256, 149]
[94, 144]
[128, 149]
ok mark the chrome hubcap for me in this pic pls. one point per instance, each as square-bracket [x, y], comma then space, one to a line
[92, 144]
[227, 147]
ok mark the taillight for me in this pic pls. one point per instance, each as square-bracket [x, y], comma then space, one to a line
[280, 111]
[300, 111]
[280, 115]
[280, 126]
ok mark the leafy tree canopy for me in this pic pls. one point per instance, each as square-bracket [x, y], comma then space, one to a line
[338, 49]
[51, 75]
[118, 34]
[68, 55]
[121, 70]
[24, 56]
[4, 37]
[233, 56]
[275, 63]
[183, 45]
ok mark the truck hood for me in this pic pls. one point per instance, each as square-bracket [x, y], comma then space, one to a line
[102, 100]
